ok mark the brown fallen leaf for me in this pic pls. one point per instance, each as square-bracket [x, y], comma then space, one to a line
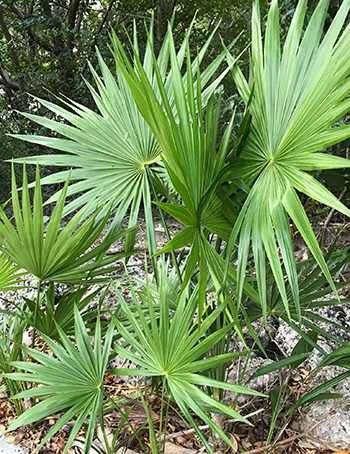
[171, 448]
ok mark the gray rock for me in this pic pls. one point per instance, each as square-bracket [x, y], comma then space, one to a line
[7, 448]
[264, 383]
[326, 424]
[286, 338]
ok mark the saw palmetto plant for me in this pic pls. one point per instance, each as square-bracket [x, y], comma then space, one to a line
[112, 154]
[169, 345]
[296, 97]
[238, 185]
[184, 117]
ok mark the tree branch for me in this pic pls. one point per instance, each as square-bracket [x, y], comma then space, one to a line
[6, 80]
[31, 35]
[72, 13]
[45, 6]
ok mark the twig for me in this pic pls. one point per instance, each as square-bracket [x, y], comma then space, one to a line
[99, 30]
[329, 217]
[184, 432]
[344, 227]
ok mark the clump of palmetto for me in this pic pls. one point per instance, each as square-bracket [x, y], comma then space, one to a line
[159, 119]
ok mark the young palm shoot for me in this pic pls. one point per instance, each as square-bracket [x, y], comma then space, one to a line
[50, 251]
[183, 114]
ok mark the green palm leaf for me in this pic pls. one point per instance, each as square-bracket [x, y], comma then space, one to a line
[58, 310]
[50, 252]
[172, 347]
[316, 294]
[297, 96]
[71, 381]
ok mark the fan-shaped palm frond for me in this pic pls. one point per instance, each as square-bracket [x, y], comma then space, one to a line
[71, 381]
[50, 252]
[169, 344]
[10, 275]
[112, 152]
[185, 121]
[297, 96]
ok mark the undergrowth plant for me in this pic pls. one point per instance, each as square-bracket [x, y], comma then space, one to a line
[11, 349]
[51, 251]
[159, 140]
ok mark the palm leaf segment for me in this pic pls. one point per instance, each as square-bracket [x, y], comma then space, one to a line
[71, 381]
[10, 275]
[297, 98]
[170, 345]
[112, 154]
